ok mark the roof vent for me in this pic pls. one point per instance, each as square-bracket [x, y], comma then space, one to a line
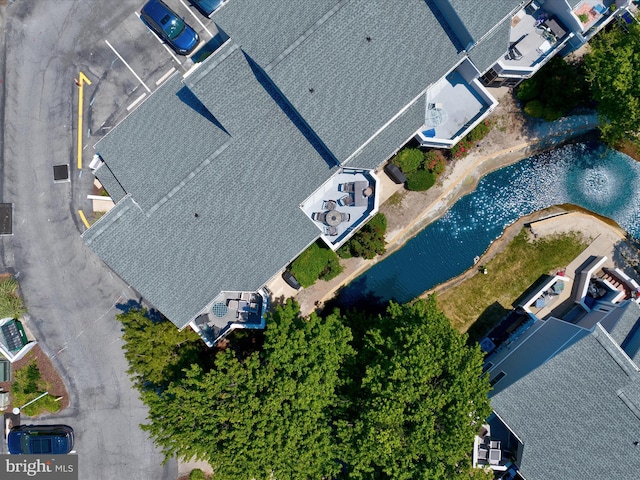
[368, 38]
[311, 90]
[197, 215]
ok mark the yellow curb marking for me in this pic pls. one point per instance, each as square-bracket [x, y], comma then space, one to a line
[80, 81]
[83, 218]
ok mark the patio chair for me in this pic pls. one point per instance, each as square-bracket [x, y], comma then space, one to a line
[319, 216]
[347, 187]
[483, 454]
[329, 205]
[331, 231]
[346, 201]
[345, 216]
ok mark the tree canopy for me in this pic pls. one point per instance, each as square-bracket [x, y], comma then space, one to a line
[266, 415]
[402, 400]
[613, 71]
[421, 399]
[156, 351]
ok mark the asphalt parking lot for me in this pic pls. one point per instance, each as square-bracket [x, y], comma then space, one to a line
[131, 62]
[71, 296]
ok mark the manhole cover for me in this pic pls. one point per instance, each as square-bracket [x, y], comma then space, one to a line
[6, 218]
[61, 173]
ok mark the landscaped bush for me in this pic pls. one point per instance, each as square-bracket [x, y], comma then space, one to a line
[368, 241]
[556, 89]
[534, 108]
[463, 147]
[479, 131]
[317, 261]
[10, 302]
[408, 160]
[197, 474]
[421, 180]
[434, 161]
[27, 386]
[528, 90]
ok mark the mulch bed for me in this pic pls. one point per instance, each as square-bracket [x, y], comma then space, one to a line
[47, 372]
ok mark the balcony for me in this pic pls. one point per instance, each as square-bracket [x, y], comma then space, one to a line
[535, 36]
[230, 311]
[343, 204]
[455, 104]
[593, 15]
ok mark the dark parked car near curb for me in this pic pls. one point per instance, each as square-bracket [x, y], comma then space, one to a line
[206, 7]
[40, 439]
[168, 25]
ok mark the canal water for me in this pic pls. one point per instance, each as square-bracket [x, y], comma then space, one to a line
[589, 175]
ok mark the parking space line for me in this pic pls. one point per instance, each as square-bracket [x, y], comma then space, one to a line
[168, 49]
[136, 101]
[128, 66]
[196, 18]
[165, 76]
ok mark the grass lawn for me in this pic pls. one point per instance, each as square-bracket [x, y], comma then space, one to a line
[477, 304]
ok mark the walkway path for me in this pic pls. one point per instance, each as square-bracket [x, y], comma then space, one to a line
[512, 138]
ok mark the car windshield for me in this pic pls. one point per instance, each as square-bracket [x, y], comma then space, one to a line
[172, 26]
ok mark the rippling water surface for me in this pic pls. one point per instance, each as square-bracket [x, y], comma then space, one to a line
[589, 175]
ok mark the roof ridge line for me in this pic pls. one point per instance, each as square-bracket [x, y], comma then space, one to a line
[305, 35]
[610, 346]
[189, 177]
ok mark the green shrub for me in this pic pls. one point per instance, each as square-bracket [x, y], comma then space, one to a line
[460, 149]
[534, 108]
[421, 180]
[584, 18]
[552, 113]
[408, 160]
[368, 241]
[434, 161]
[29, 385]
[479, 131]
[528, 90]
[10, 302]
[317, 261]
[557, 88]
[197, 474]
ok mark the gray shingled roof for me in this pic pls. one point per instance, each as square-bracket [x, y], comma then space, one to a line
[480, 16]
[245, 141]
[266, 29]
[368, 82]
[110, 183]
[626, 322]
[493, 47]
[396, 134]
[163, 141]
[246, 195]
[570, 416]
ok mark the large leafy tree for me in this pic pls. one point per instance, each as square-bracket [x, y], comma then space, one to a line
[401, 400]
[156, 351]
[613, 70]
[267, 415]
[421, 399]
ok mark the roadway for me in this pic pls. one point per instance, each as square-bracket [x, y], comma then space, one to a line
[71, 296]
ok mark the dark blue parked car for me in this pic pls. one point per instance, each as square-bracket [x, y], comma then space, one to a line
[40, 439]
[169, 26]
[206, 7]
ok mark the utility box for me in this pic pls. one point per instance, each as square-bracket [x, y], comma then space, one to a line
[5, 370]
[395, 173]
